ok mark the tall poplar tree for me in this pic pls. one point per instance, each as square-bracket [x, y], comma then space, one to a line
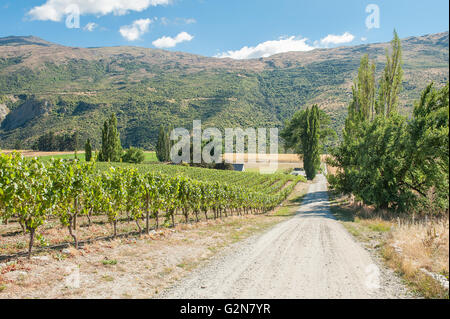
[391, 80]
[111, 150]
[164, 144]
[362, 106]
[311, 154]
[88, 151]
[161, 152]
[306, 133]
[168, 143]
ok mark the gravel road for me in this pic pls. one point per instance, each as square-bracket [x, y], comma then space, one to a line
[308, 256]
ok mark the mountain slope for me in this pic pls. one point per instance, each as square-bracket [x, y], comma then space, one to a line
[45, 86]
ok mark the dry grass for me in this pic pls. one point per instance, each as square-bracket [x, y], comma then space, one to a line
[425, 244]
[28, 153]
[411, 247]
[257, 163]
[281, 158]
[407, 245]
[135, 267]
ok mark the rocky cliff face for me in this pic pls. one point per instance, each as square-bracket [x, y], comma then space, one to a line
[3, 112]
[24, 113]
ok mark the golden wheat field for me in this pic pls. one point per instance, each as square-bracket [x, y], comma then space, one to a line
[266, 162]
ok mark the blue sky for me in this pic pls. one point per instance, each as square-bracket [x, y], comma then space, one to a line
[234, 28]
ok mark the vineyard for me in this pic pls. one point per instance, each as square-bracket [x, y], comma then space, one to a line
[41, 199]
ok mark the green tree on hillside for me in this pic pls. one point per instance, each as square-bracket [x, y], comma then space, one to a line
[306, 133]
[111, 150]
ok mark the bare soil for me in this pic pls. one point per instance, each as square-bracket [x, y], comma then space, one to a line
[134, 267]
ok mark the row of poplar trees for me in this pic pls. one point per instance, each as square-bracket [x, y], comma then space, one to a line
[111, 150]
[389, 160]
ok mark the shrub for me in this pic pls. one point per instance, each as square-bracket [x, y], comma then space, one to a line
[133, 155]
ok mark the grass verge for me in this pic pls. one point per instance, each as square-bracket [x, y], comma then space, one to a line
[406, 245]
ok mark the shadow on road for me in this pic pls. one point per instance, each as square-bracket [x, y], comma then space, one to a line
[315, 205]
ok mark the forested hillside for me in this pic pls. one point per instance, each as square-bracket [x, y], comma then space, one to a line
[47, 87]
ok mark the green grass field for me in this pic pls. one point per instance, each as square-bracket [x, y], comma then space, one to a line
[80, 156]
[150, 157]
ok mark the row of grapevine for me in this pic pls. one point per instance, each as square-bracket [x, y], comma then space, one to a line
[255, 181]
[33, 192]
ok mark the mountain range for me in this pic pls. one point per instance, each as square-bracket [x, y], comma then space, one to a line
[49, 87]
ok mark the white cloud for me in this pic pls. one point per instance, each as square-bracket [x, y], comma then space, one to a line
[134, 31]
[168, 42]
[269, 48]
[337, 39]
[188, 20]
[363, 39]
[90, 26]
[177, 21]
[55, 10]
[164, 21]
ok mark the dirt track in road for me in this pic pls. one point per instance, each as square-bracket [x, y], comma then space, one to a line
[309, 256]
